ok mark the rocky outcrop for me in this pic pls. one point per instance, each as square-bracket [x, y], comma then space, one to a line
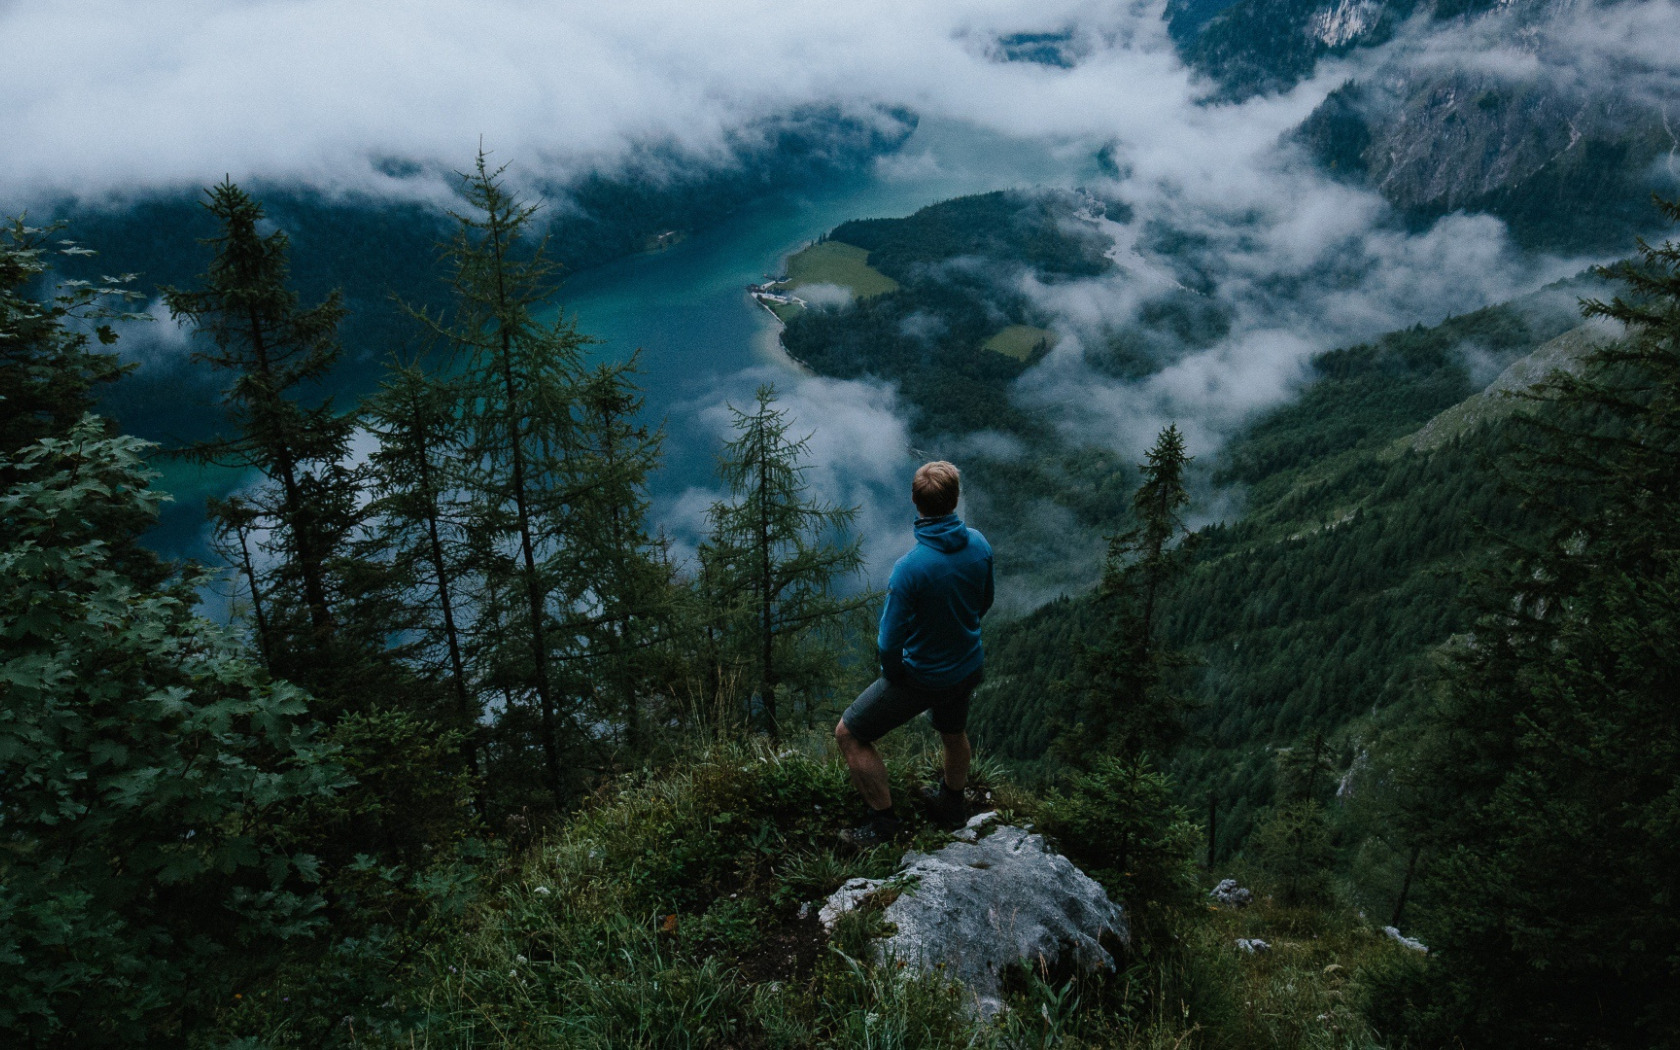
[973, 909]
[1508, 112]
[1566, 353]
[1230, 895]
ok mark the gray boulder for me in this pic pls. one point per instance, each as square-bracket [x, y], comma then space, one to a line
[1229, 894]
[976, 908]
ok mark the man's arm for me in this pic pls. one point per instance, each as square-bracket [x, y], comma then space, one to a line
[986, 595]
[895, 628]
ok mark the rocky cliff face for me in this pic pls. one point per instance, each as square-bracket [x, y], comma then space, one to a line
[1564, 168]
[1551, 114]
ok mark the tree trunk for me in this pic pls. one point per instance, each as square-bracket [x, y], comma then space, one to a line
[256, 600]
[457, 666]
[767, 637]
[311, 560]
[1405, 886]
[1213, 828]
[534, 597]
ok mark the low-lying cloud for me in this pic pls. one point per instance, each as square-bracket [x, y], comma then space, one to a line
[108, 100]
[857, 455]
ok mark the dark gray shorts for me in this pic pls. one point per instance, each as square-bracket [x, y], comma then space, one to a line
[885, 706]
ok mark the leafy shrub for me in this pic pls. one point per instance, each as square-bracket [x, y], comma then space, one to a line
[146, 763]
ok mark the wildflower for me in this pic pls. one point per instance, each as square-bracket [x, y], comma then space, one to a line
[541, 891]
[520, 959]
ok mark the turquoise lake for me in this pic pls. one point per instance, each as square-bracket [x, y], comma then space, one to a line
[701, 337]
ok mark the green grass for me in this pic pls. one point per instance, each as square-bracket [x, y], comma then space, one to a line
[1020, 341]
[833, 262]
[665, 914]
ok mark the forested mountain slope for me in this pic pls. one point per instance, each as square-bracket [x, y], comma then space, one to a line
[1316, 609]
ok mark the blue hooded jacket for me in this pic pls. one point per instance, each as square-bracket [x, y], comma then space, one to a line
[930, 629]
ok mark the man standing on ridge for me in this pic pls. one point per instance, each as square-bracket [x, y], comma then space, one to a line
[930, 654]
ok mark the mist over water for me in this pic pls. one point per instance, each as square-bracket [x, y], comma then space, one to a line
[705, 344]
[342, 98]
[702, 343]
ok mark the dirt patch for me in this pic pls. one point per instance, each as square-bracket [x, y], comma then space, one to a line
[787, 952]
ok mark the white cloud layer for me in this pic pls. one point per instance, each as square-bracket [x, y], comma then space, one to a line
[106, 98]
[858, 455]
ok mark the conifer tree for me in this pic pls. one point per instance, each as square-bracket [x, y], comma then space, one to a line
[416, 527]
[772, 561]
[553, 475]
[1121, 701]
[621, 629]
[1557, 738]
[275, 350]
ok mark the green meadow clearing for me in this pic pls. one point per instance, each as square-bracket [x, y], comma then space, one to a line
[833, 262]
[1020, 341]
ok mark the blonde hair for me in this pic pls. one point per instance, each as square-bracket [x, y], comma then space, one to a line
[936, 488]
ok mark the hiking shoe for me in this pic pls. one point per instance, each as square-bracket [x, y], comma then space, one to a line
[947, 808]
[874, 833]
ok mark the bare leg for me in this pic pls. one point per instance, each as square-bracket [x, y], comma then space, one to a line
[957, 757]
[869, 773]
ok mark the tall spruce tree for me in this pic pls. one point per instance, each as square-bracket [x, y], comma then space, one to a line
[771, 564]
[1123, 704]
[307, 509]
[1551, 916]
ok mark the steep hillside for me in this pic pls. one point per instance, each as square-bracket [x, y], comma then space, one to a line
[1315, 610]
[1565, 168]
[1542, 136]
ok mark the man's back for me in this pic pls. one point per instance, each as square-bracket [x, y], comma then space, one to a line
[930, 630]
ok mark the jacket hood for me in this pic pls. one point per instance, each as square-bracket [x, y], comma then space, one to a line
[945, 534]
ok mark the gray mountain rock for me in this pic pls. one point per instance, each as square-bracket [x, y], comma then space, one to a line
[973, 909]
[1231, 895]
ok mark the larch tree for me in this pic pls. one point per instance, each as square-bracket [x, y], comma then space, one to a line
[772, 562]
[523, 469]
[620, 629]
[417, 529]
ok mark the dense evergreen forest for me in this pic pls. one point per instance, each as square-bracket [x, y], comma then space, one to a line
[477, 762]
[952, 262]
